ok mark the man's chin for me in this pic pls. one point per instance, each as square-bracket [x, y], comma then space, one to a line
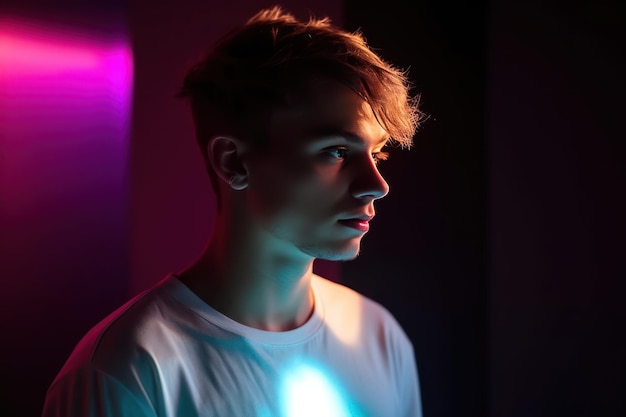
[335, 254]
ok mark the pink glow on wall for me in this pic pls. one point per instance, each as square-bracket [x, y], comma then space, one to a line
[65, 112]
[65, 115]
[26, 54]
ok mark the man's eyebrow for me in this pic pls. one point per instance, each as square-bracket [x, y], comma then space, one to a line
[320, 134]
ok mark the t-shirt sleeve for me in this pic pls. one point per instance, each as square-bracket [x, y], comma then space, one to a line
[410, 384]
[92, 393]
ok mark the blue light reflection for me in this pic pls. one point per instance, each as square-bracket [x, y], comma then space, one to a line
[306, 391]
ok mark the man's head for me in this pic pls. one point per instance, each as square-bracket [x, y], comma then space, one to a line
[275, 60]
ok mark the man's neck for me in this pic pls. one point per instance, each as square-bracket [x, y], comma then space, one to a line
[252, 285]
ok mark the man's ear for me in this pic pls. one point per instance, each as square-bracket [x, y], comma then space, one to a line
[225, 156]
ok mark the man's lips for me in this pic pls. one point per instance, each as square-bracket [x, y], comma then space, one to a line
[360, 223]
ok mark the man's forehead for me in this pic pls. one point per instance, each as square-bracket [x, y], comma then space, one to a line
[331, 109]
[336, 98]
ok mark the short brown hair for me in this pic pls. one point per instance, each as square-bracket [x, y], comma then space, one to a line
[254, 67]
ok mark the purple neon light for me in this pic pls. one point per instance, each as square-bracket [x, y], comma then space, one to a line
[65, 103]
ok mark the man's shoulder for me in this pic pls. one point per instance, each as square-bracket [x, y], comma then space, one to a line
[342, 301]
[357, 320]
[335, 292]
[122, 332]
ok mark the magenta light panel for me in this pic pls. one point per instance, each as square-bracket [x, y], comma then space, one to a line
[65, 112]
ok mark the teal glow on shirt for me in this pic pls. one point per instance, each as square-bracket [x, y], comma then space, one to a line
[307, 390]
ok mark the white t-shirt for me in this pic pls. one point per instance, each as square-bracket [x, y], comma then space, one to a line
[167, 353]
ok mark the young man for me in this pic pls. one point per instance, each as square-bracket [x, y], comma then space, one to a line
[292, 118]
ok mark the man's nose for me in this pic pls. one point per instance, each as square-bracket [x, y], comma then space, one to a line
[368, 182]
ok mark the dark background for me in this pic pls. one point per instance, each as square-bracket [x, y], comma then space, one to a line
[500, 248]
[426, 257]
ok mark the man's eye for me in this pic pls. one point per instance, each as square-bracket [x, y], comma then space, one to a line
[338, 153]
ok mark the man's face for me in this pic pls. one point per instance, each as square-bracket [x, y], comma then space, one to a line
[313, 188]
